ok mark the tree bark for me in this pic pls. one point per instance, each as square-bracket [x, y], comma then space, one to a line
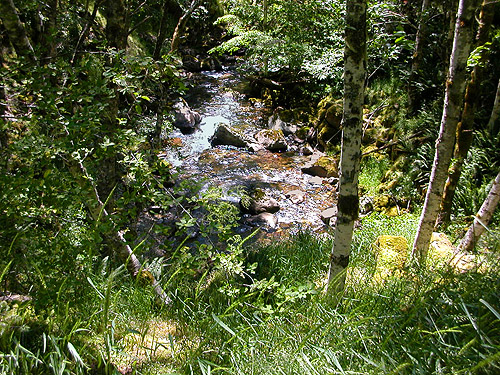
[170, 7]
[117, 23]
[482, 218]
[181, 26]
[413, 94]
[50, 32]
[464, 132]
[493, 125]
[15, 30]
[454, 96]
[352, 121]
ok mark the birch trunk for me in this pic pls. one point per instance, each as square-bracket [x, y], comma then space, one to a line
[453, 100]
[464, 132]
[354, 85]
[15, 30]
[495, 112]
[482, 218]
[413, 94]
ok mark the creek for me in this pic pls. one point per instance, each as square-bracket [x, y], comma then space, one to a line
[218, 98]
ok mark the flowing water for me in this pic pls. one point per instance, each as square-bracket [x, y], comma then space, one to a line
[217, 97]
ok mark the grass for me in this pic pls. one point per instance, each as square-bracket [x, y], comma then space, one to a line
[274, 319]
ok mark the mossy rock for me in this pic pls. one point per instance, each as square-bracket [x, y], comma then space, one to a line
[392, 255]
[381, 202]
[303, 132]
[330, 164]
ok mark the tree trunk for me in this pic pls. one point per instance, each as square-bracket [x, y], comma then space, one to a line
[116, 34]
[15, 30]
[454, 95]
[413, 94]
[85, 31]
[482, 218]
[493, 125]
[181, 26]
[173, 9]
[352, 121]
[117, 23]
[50, 32]
[464, 132]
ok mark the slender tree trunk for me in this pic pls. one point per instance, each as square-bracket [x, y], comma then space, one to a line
[181, 26]
[50, 32]
[85, 31]
[413, 94]
[173, 9]
[116, 34]
[482, 218]
[464, 133]
[454, 95]
[493, 125]
[15, 30]
[352, 121]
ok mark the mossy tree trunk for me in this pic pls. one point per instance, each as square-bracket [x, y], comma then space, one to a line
[483, 217]
[352, 122]
[464, 132]
[454, 95]
[15, 30]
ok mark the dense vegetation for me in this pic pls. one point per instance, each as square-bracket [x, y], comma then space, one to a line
[86, 96]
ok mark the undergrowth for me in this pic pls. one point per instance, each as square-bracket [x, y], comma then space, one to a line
[264, 312]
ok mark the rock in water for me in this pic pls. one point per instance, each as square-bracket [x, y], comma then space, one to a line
[260, 202]
[225, 135]
[323, 166]
[185, 119]
[296, 196]
[265, 220]
[329, 215]
[272, 140]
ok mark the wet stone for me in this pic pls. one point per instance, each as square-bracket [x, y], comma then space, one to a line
[328, 214]
[296, 196]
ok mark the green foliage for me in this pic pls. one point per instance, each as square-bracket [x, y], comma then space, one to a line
[297, 37]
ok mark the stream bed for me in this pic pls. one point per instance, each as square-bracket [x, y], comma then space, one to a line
[217, 98]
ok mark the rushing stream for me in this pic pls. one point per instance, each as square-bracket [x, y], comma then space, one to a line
[217, 99]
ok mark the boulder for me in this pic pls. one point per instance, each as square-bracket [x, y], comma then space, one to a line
[280, 120]
[392, 254]
[324, 166]
[329, 215]
[191, 63]
[306, 150]
[185, 119]
[328, 123]
[272, 140]
[265, 220]
[228, 136]
[296, 196]
[260, 202]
